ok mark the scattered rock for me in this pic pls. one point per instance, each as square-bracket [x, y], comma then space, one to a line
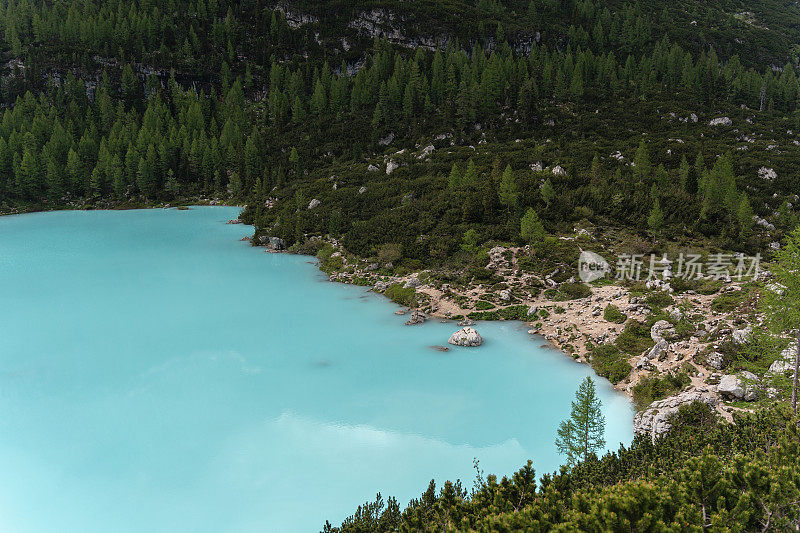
[417, 317]
[768, 174]
[741, 336]
[380, 286]
[440, 348]
[676, 314]
[657, 351]
[505, 295]
[412, 283]
[386, 140]
[372, 168]
[466, 322]
[715, 360]
[362, 190]
[721, 121]
[391, 166]
[661, 329]
[314, 203]
[425, 152]
[466, 337]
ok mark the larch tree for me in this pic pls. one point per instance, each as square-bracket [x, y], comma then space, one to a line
[582, 434]
[781, 304]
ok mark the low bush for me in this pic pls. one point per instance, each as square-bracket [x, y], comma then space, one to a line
[608, 361]
[483, 305]
[613, 314]
[725, 303]
[635, 338]
[654, 388]
[402, 295]
[659, 299]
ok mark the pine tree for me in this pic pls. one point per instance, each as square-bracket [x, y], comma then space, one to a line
[583, 433]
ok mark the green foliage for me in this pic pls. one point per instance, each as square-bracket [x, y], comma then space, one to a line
[406, 296]
[613, 314]
[482, 305]
[635, 338]
[727, 302]
[652, 388]
[531, 227]
[582, 434]
[659, 299]
[608, 361]
[703, 471]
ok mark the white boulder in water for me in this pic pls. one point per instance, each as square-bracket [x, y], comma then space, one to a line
[466, 337]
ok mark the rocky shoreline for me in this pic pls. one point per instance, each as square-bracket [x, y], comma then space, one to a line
[576, 326]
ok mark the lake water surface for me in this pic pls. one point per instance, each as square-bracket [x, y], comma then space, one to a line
[159, 375]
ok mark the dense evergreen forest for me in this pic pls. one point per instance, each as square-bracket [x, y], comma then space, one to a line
[436, 127]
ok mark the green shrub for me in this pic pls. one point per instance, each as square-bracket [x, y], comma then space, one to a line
[608, 361]
[635, 338]
[514, 312]
[725, 303]
[572, 291]
[709, 287]
[659, 299]
[402, 295]
[482, 305]
[654, 388]
[613, 314]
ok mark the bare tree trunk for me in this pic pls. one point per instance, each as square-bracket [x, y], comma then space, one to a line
[796, 368]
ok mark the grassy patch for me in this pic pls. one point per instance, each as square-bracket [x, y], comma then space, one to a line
[725, 303]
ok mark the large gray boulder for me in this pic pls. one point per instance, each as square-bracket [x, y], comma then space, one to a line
[657, 351]
[276, 243]
[466, 337]
[739, 387]
[654, 420]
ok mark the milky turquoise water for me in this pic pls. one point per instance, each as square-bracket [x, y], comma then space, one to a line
[159, 375]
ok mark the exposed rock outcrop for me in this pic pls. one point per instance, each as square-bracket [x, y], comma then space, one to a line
[660, 330]
[654, 420]
[466, 337]
[739, 387]
[417, 317]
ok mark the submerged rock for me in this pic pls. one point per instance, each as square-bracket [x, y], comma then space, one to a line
[467, 322]
[466, 337]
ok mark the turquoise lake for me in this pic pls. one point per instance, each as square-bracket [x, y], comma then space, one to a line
[157, 374]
